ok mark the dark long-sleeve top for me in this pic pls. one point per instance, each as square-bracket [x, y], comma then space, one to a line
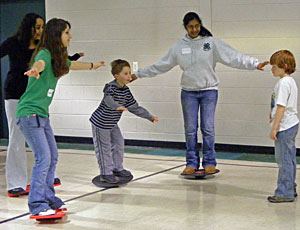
[19, 57]
[106, 116]
[75, 57]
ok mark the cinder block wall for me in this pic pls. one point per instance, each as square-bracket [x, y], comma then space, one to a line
[143, 31]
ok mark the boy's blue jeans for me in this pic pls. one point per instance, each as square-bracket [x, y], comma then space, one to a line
[40, 138]
[191, 101]
[285, 155]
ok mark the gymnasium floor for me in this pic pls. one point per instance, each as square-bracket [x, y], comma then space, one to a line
[158, 198]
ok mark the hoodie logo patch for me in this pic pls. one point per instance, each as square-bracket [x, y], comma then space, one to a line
[206, 46]
[186, 50]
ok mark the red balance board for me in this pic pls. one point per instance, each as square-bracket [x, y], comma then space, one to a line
[26, 191]
[23, 193]
[58, 215]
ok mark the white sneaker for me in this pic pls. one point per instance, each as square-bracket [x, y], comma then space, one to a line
[47, 212]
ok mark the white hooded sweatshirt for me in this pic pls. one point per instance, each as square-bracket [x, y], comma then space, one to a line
[197, 58]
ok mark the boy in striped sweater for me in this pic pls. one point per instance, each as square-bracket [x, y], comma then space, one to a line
[107, 137]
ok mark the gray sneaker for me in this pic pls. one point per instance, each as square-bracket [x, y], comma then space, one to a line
[122, 173]
[111, 179]
[277, 199]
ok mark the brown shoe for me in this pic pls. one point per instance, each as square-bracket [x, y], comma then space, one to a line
[210, 169]
[188, 170]
[277, 199]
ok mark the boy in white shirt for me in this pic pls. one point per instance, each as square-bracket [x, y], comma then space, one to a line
[285, 121]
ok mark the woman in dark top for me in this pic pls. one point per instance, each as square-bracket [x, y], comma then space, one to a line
[19, 49]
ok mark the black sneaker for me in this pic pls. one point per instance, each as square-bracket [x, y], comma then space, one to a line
[122, 173]
[295, 192]
[277, 199]
[111, 179]
[57, 182]
[16, 191]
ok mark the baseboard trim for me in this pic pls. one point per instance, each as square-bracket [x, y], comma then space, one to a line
[177, 145]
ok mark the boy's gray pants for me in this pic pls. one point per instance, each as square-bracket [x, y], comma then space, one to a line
[109, 148]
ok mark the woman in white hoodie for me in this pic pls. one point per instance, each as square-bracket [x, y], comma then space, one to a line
[197, 54]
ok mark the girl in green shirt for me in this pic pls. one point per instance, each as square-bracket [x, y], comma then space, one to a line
[49, 62]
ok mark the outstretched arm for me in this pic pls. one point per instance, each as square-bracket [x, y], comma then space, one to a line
[108, 98]
[35, 70]
[109, 101]
[162, 66]
[229, 56]
[76, 56]
[77, 65]
[140, 111]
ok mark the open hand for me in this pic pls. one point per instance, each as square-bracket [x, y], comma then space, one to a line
[33, 73]
[133, 77]
[97, 65]
[262, 65]
[154, 119]
[122, 109]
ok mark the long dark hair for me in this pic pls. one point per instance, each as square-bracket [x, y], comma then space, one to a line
[51, 40]
[191, 16]
[26, 29]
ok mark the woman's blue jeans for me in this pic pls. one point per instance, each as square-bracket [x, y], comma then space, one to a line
[285, 155]
[40, 138]
[206, 101]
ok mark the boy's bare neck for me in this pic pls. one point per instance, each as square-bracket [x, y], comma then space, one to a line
[121, 84]
[285, 75]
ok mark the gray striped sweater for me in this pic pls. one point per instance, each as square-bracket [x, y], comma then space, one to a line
[106, 115]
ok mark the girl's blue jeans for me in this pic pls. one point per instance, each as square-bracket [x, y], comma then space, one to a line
[285, 155]
[40, 138]
[206, 101]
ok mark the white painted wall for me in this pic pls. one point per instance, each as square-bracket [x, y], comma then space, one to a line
[143, 31]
